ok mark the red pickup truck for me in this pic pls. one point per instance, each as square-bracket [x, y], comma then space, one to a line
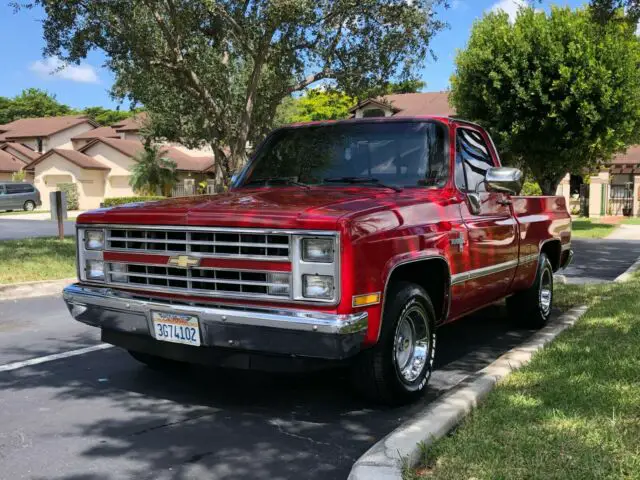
[340, 242]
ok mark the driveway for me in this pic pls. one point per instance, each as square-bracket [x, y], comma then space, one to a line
[11, 229]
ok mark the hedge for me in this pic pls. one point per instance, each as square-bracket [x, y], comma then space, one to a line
[115, 201]
[71, 189]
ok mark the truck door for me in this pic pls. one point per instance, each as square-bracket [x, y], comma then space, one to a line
[492, 243]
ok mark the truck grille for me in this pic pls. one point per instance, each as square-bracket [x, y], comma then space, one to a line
[200, 280]
[227, 243]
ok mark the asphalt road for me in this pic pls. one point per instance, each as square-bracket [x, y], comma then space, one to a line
[17, 229]
[601, 260]
[103, 416]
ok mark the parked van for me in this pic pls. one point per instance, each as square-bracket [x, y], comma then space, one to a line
[19, 196]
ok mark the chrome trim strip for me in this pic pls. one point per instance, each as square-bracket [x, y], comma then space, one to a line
[529, 258]
[482, 272]
[259, 231]
[79, 296]
[566, 246]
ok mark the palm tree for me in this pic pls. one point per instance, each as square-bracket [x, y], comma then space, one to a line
[153, 172]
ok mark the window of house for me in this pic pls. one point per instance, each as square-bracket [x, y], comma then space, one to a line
[39, 142]
[473, 159]
[373, 112]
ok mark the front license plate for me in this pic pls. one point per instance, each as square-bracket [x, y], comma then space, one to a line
[176, 328]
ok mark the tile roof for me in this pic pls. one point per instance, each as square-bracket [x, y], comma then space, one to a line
[414, 104]
[108, 132]
[41, 127]
[132, 148]
[630, 157]
[10, 163]
[23, 149]
[75, 157]
[132, 124]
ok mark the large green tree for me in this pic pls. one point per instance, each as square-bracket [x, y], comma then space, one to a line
[31, 102]
[315, 105]
[605, 11]
[106, 116]
[215, 71]
[558, 92]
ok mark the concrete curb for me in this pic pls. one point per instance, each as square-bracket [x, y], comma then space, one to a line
[14, 291]
[384, 460]
[629, 272]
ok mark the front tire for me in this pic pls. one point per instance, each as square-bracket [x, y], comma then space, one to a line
[396, 370]
[29, 206]
[531, 308]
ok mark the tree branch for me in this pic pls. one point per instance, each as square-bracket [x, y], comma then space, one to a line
[326, 73]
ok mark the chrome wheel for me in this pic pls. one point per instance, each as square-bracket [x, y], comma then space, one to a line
[546, 292]
[29, 206]
[411, 343]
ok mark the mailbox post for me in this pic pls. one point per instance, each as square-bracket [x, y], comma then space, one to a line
[58, 202]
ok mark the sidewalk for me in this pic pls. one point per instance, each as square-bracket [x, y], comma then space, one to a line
[39, 216]
[625, 232]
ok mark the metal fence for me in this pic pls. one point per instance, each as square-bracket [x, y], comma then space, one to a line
[182, 190]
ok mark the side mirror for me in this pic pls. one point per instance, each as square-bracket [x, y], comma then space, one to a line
[504, 179]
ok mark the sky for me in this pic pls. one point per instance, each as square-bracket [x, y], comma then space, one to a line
[88, 84]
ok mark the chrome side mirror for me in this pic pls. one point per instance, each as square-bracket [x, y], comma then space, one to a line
[475, 205]
[504, 180]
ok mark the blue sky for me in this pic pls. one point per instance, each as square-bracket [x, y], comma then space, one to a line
[89, 83]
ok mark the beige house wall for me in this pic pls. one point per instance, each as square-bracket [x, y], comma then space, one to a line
[596, 191]
[360, 111]
[5, 176]
[117, 181]
[63, 139]
[56, 170]
[130, 136]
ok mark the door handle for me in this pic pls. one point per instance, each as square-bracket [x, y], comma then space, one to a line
[504, 203]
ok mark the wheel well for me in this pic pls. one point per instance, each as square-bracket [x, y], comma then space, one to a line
[432, 275]
[553, 250]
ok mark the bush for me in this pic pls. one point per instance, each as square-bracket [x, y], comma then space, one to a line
[530, 189]
[115, 201]
[71, 189]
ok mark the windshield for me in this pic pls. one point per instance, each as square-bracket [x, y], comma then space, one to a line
[402, 154]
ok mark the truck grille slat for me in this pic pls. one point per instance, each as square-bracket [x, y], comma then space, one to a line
[269, 246]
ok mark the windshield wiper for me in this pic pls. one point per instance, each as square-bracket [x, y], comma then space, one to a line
[355, 180]
[285, 180]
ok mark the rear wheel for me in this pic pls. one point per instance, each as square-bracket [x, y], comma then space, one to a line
[156, 363]
[29, 206]
[397, 369]
[532, 307]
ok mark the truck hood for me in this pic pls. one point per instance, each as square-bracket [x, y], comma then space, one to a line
[283, 207]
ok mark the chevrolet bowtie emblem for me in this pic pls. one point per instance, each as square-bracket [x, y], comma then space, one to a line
[184, 261]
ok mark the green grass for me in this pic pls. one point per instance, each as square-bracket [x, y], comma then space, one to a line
[37, 259]
[631, 221]
[572, 413]
[22, 212]
[584, 228]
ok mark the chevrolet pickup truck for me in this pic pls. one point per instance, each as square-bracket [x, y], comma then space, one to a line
[344, 242]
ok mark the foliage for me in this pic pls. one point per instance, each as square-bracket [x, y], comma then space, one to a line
[115, 201]
[605, 11]
[152, 172]
[34, 259]
[18, 176]
[105, 116]
[556, 91]
[32, 102]
[315, 105]
[531, 189]
[71, 189]
[411, 85]
[215, 71]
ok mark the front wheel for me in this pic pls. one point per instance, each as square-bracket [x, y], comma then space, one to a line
[397, 369]
[532, 307]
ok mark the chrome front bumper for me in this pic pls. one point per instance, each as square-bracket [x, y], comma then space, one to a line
[126, 321]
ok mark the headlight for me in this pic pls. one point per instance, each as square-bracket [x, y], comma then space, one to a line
[317, 286]
[94, 270]
[94, 239]
[280, 283]
[317, 250]
[117, 271]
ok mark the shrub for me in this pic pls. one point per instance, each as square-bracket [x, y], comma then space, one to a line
[18, 176]
[115, 201]
[71, 189]
[531, 189]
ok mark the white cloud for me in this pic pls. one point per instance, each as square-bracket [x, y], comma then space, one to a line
[54, 67]
[458, 5]
[510, 7]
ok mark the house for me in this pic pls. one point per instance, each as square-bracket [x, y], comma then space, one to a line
[43, 134]
[102, 169]
[615, 190]
[9, 164]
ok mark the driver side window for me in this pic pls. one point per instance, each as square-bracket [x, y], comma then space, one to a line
[472, 160]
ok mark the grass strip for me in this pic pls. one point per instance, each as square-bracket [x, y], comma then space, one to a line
[572, 413]
[34, 259]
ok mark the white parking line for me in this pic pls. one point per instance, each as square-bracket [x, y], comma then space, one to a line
[51, 358]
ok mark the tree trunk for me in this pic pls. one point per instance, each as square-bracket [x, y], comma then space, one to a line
[549, 184]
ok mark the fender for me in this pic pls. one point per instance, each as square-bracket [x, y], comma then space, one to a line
[414, 257]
